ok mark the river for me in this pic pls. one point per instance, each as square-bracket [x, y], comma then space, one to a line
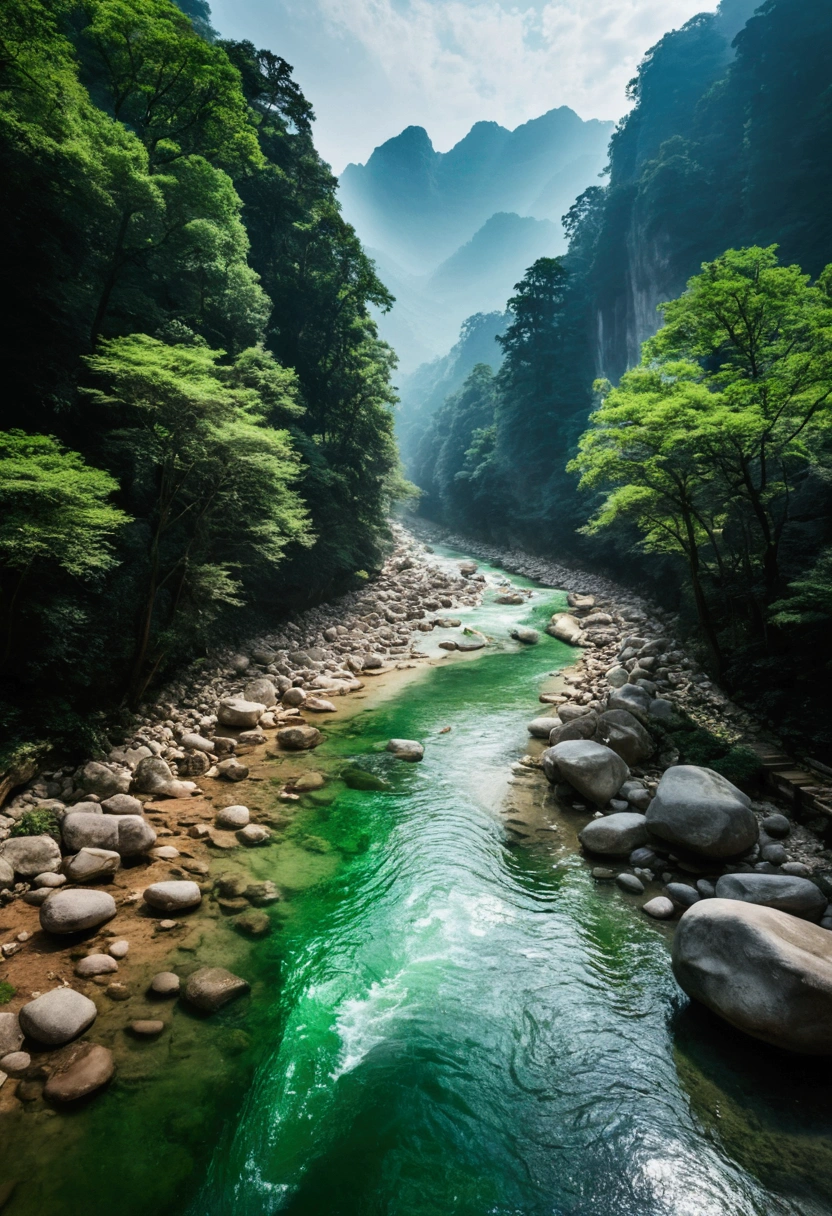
[454, 1017]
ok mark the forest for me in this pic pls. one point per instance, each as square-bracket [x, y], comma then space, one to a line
[659, 404]
[198, 424]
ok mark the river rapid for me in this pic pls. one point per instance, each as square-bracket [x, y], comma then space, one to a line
[453, 1017]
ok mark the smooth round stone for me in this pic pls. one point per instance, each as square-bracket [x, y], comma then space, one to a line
[31, 855]
[95, 964]
[614, 834]
[320, 705]
[165, 983]
[254, 834]
[118, 949]
[37, 897]
[630, 884]
[49, 880]
[683, 895]
[89, 1066]
[705, 888]
[233, 817]
[165, 852]
[776, 825]
[406, 749]
[308, 782]
[660, 908]
[15, 1063]
[618, 805]
[774, 854]
[212, 987]
[644, 857]
[166, 925]
[602, 874]
[797, 869]
[147, 1028]
[177, 895]
[57, 1017]
[72, 911]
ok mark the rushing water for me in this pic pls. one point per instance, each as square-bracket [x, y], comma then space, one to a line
[449, 1023]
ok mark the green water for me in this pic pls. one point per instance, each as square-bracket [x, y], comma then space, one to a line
[443, 1022]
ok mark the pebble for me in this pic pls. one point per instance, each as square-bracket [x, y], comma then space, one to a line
[660, 908]
[15, 1063]
[118, 949]
[166, 984]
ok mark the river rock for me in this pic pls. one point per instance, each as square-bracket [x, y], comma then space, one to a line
[406, 749]
[153, 775]
[233, 817]
[98, 779]
[617, 677]
[566, 628]
[85, 1068]
[767, 973]
[541, 728]
[569, 713]
[212, 987]
[58, 1016]
[16, 1063]
[699, 810]
[593, 770]
[683, 895]
[30, 855]
[119, 948]
[165, 984]
[798, 896]
[614, 835]
[320, 705]
[253, 923]
[579, 728]
[122, 804]
[176, 895]
[630, 884]
[621, 731]
[260, 690]
[660, 908]
[232, 770]
[299, 738]
[526, 635]
[91, 865]
[73, 911]
[633, 699]
[308, 782]
[147, 1028]
[254, 834]
[7, 875]
[776, 825]
[95, 964]
[294, 698]
[127, 835]
[11, 1035]
[239, 712]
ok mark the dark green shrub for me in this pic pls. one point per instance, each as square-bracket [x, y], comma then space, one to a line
[39, 822]
[740, 765]
[7, 991]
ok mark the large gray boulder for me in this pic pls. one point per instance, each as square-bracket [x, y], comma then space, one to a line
[127, 835]
[613, 835]
[632, 698]
[135, 835]
[73, 911]
[698, 810]
[593, 770]
[57, 1017]
[153, 775]
[240, 712]
[299, 738]
[579, 728]
[621, 731]
[767, 973]
[785, 892]
[31, 855]
[98, 779]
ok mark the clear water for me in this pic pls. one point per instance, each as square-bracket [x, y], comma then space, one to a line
[447, 1023]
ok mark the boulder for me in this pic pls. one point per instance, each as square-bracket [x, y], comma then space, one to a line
[541, 728]
[406, 749]
[698, 810]
[122, 804]
[529, 637]
[579, 728]
[127, 835]
[57, 1017]
[261, 690]
[72, 911]
[299, 738]
[319, 705]
[614, 835]
[193, 742]
[239, 712]
[7, 874]
[135, 835]
[293, 698]
[193, 764]
[683, 895]
[767, 973]
[566, 628]
[175, 896]
[777, 825]
[621, 731]
[786, 893]
[98, 779]
[632, 698]
[577, 599]
[212, 987]
[593, 770]
[569, 712]
[11, 1036]
[309, 781]
[91, 865]
[31, 855]
[661, 710]
[233, 817]
[153, 775]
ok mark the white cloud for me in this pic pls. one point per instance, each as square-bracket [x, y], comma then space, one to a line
[372, 67]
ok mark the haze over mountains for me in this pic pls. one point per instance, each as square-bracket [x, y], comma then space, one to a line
[452, 232]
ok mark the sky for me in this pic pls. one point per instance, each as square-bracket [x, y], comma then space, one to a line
[373, 67]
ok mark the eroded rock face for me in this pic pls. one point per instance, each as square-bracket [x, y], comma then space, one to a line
[593, 770]
[698, 810]
[767, 973]
[74, 911]
[614, 835]
[785, 892]
[58, 1016]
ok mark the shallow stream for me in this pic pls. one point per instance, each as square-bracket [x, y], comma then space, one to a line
[451, 1016]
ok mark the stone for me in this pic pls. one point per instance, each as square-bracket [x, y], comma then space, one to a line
[260, 691]
[699, 810]
[541, 728]
[118, 948]
[166, 852]
[233, 817]
[73, 911]
[776, 825]
[683, 895]
[526, 635]
[644, 857]
[193, 764]
[253, 923]
[583, 727]
[406, 749]
[11, 1036]
[767, 973]
[37, 897]
[309, 781]
[232, 770]
[595, 771]
[785, 892]
[91, 865]
[177, 895]
[127, 835]
[7, 875]
[211, 988]
[569, 712]
[294, 698]
[617, 677]
[633, 699]
[85, 1068]
[239, 712]
[153, 775]
[165, 984]
[798, 869]
[630, 884]
[147, 1028]
[319, 705]
[299, 738]
[261, 894]
[566, 628]
[98, 779]
[621, 731]
[254, 834]
[775, 854]
[661, 710]
[95, 964]
[57, 1017]
[117, 991]
[705, 888]
[614, 835]
[16, 1063]
[31, 855]
[660, 908]
[122, 804]
[193, 742]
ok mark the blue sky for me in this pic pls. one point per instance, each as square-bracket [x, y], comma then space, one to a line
[373, 67]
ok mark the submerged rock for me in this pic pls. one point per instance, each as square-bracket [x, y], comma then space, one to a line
[85, 1068]
[212, 987]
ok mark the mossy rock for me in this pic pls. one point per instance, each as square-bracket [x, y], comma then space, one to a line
[360, 779]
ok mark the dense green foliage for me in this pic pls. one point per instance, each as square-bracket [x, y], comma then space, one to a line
[198, 406]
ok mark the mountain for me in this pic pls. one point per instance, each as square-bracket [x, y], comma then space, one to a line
[451, 232]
